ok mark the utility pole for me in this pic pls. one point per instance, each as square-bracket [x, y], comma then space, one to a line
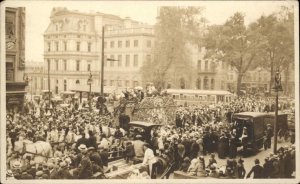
[277, 88]
[102, 62]
[49, 92]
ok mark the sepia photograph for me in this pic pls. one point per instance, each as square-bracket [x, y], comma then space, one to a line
[131, 91]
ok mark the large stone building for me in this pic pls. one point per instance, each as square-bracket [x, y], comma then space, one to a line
[73, 42]
[15, 57]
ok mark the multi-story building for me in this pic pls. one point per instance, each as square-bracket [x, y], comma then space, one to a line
[205, 73]
[256, 80]
[15, 57]
[35, 73]
[73, 42]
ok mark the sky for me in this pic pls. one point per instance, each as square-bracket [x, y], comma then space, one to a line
[217, 12]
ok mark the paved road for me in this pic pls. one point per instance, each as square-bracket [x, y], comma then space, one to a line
[248, 161]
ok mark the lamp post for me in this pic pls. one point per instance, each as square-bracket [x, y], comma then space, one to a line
[277, 88]
[49, 92]
[89, 82]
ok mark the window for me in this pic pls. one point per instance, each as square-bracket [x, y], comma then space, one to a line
[105, 44]
[112, 83]
[10, 60]
[77, 82]
[56, 65]
[206, 65]
[127, 64]
[119, 44]
[65, 46]
[205, 83]
[212, 84]
[65, 65]
[84, 27]
[104, 82]
[148, 43]
[148, 59]
[56, 46]
[89, 47]
[65, 85]
[119, 83]
[89, 66]
[135, 61]
[41, 83]
[78, 46]
[119, 60]
[56, 27]
[112, 63]
[136, 43]
[198, 83]
[199, 64]
[127, 83]
[127, 43]
[112, 44]
[77, 65]
[49, 46]
[182, 83]
[105, 61]
[135, 83]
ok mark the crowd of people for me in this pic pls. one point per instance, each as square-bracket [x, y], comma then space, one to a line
[83, 142]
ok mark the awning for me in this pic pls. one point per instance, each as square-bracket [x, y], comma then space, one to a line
[96, 89]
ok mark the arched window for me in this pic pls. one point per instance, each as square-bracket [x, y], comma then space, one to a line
[205, 81]
[198, 83]
[77, 82]
[182, 83]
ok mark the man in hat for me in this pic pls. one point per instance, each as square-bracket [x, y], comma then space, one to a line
[269, 135]
[39, 174]
[63, 171]
[213, 173]
[104, 156]
[138, 145]
[85, 167]
[275, 167]
[257, 170]
[53, 172]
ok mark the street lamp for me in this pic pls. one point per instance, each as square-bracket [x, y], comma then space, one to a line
[277, 88]
[89, 82]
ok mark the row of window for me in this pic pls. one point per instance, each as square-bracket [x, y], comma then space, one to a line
[65, 46]
[127, 44]
[205, 83]
[118, 61]
[89, 45]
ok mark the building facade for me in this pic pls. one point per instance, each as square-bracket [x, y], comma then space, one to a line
[35, 72]
[207, 73]
[15, 57]
[73, 42]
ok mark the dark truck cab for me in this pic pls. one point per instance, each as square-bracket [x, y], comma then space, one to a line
[256, 123]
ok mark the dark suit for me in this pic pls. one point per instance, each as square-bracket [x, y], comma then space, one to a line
[257, 170]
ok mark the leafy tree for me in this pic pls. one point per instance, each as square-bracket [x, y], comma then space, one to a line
[176, 27]
[277, 50]
[235, 44]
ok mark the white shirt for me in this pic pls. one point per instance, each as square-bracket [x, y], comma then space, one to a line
[149, 157]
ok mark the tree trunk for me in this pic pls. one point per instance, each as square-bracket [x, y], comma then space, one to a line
[239, 83]
[271, 77]
[286, 80]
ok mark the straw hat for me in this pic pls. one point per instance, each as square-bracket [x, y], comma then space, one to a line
[82, 147]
